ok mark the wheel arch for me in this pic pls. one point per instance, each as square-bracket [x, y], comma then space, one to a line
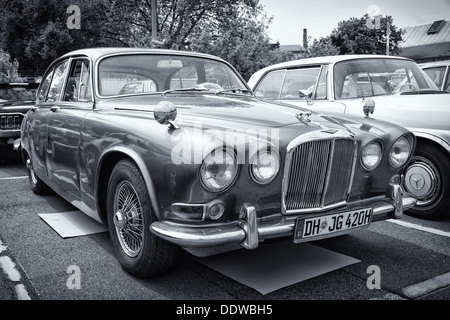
[107, 163]
[432, 140]
[436, 160]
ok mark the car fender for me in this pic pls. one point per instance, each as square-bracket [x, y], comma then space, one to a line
[433, 138]
[129, 152]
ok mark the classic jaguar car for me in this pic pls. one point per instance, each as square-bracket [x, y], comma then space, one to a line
[198, 162]
[15, 100]
[439, 72]
[390, 88]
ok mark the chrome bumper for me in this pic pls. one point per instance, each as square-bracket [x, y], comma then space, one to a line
[248, 231]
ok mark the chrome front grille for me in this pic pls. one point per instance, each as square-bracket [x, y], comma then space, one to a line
[318, 173]
[11, 122]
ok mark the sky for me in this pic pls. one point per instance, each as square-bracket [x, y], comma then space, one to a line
[320, 17]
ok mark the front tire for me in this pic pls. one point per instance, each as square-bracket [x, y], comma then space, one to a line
[129, 216]
[427, 178]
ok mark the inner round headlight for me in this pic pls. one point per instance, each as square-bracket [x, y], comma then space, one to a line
[400, 152]
[264, 166]
[218, 170]
[371, 155]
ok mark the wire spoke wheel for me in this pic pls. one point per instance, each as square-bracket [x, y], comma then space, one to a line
[129, 216]
[128, 220]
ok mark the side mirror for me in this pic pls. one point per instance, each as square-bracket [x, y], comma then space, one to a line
[165, 112]
[307, 94]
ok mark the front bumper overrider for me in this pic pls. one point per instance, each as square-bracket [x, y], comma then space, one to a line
[249, 230]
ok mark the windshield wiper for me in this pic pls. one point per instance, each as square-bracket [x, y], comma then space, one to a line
[234, 91]
[184, 90]
[423, 91]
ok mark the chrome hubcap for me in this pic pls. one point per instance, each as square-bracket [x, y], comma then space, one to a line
[119, 220]
[422, 181]
[128, 219]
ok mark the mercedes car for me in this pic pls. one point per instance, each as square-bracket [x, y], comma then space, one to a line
[388, 88]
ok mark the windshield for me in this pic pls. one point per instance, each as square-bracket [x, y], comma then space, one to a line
[372, 77]
[158, 73]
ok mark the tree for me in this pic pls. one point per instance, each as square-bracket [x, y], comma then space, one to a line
[35, 32]
[240, 38]
[364, 36]
[322, 47]
[8, 69]
[359, 36]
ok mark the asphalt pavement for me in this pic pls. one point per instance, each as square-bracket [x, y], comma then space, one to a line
[34, 263]
[14, 284]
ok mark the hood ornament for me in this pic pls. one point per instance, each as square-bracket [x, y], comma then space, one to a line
[303, 116]
[369, 106]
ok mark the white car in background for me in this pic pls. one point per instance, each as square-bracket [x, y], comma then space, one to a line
[388, 88]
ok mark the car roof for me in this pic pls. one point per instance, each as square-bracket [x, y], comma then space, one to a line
[435, 64]
[97, 53]
[334, 59]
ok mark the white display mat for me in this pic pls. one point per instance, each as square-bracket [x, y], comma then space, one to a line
[278, 265]
[72, 223]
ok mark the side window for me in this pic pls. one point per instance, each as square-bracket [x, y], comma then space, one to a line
[57, 82]
[270, 85]
[437, 75]
[447, 81]
[298, 79]
[321, 89]
[78, 86]
[45, 84]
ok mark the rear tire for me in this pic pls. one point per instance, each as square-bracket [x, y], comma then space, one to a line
[36, 184]
[129, 216]
[427, 178]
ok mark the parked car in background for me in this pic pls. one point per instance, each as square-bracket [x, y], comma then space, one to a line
[394, 89]
[439, 72]
[199, 162]
[15, 100]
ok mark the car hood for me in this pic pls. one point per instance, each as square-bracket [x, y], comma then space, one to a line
[7, 106]
[212, 108]
[413, 111]
[231, 112]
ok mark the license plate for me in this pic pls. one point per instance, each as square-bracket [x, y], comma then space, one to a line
[323, 226]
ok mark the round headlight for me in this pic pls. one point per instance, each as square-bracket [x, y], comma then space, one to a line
[371, 156]
[264, 166]
[218, 170]
[400, 152]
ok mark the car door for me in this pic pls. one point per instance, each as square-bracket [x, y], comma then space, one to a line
[39, 116]
[65, 124]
